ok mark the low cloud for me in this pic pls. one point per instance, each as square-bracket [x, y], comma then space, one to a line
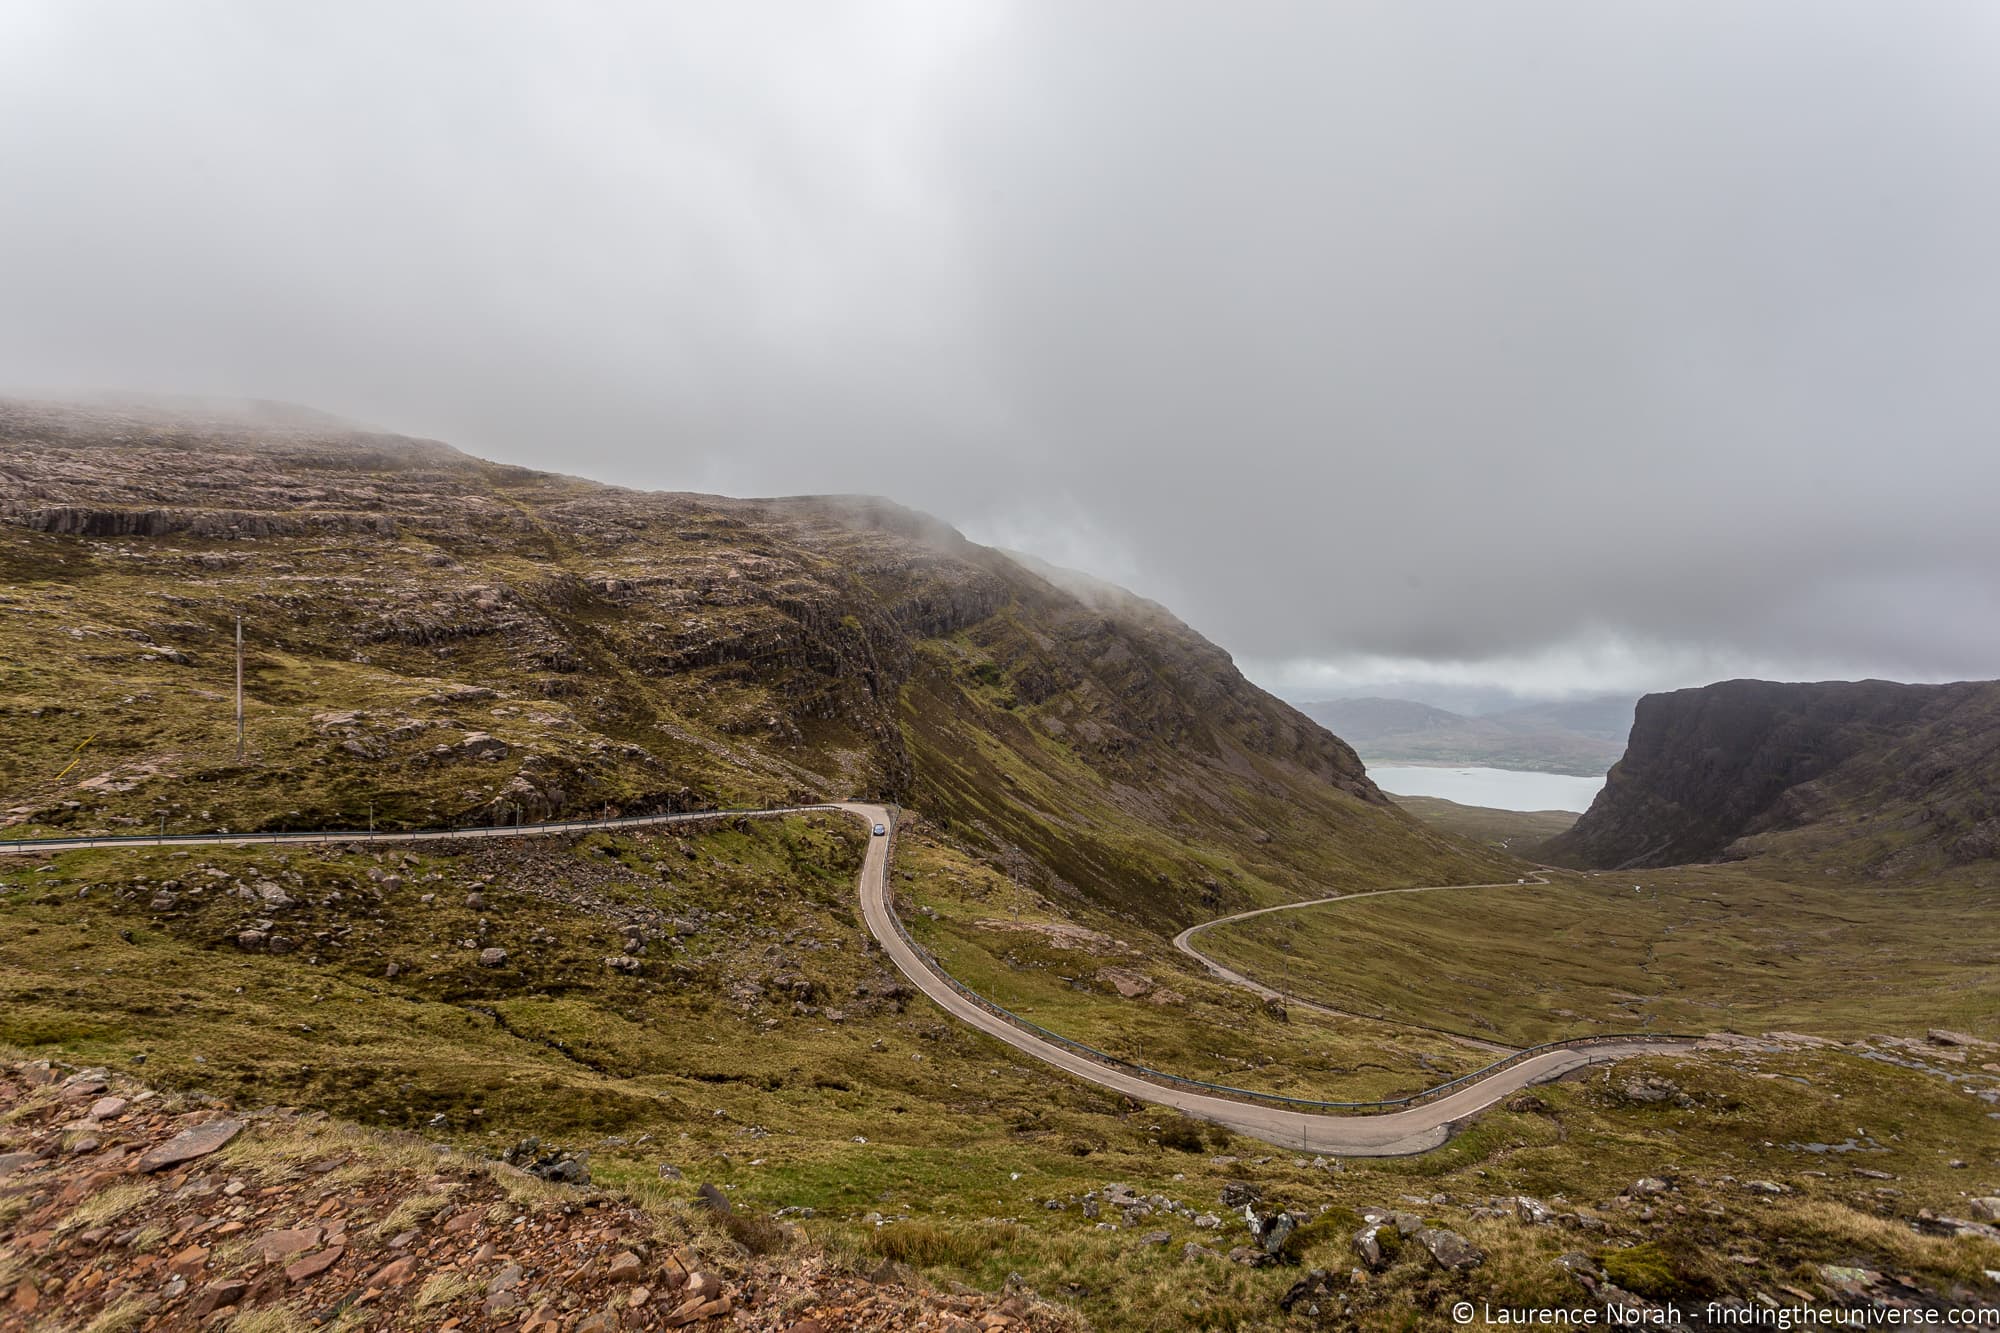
[1556, 342]
[1596, 664]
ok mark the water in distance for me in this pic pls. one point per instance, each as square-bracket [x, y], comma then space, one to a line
[1496, 788]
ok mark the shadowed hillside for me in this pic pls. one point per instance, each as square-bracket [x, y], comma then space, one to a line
[1867, 775]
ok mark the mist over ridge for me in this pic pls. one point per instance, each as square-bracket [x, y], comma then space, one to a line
[1370, 353]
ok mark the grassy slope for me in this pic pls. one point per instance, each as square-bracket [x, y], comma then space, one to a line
[635, 652]
[986, 929]
[1512, 831]
[1157, 839]
[960, 1139]
[74, 672]
[1695, 949]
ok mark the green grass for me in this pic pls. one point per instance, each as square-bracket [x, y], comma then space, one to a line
[982, 926]
[1512, 831]
[640, 653]
[1692, 949]
[964, 1143]
[1161, 842]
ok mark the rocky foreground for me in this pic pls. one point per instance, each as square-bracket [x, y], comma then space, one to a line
[124, 1208]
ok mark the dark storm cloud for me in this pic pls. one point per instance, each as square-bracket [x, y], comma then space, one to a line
[1552, 344]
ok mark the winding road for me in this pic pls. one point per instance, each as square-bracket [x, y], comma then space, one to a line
[1185, 943]
[1392, 1134]
[1396, 1133]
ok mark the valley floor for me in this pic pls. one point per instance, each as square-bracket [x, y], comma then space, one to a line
[1689, 949]
[753, 1039]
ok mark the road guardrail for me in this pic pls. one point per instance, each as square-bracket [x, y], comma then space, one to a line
[89, 840]
[1281, 1100]
[929, 960]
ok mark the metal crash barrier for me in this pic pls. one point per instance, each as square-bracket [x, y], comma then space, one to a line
[407, 835]
[1165, 1079]
[929, 960]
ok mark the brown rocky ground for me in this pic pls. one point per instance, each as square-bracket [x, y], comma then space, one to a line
[122, 1208]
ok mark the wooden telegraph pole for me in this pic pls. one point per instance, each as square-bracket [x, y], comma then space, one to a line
[239, 689]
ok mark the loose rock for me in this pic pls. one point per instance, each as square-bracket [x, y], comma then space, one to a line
[190, 1144]
[1449, 1250]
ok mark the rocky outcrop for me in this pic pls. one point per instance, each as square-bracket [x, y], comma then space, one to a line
[221, 524]
[255, 1236]
[1710, 772]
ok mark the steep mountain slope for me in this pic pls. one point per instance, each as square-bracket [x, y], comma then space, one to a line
[1870, 775]
[1537, 738]
[432, 639]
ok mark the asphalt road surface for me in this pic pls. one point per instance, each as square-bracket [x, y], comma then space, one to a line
[1390, 1134]
[1185, 943]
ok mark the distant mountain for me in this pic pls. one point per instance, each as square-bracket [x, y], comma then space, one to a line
[1361, 721]
[1583, 738]
[1465, 700]
[1861, 775]
[1606, 717]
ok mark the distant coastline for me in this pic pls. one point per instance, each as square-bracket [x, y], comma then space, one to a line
[1580, 739]
[1488, 787]
[1397, 761]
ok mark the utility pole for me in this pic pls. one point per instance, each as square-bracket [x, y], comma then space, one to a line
[239, 689]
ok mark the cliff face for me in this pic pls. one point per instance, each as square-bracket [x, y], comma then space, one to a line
[438, 639]
[1878, 775]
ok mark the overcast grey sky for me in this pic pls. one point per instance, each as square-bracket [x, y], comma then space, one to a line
[1554, 345]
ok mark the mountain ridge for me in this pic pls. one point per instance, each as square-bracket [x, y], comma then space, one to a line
[1879, 775]
[1568, 738]
[435, 638]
